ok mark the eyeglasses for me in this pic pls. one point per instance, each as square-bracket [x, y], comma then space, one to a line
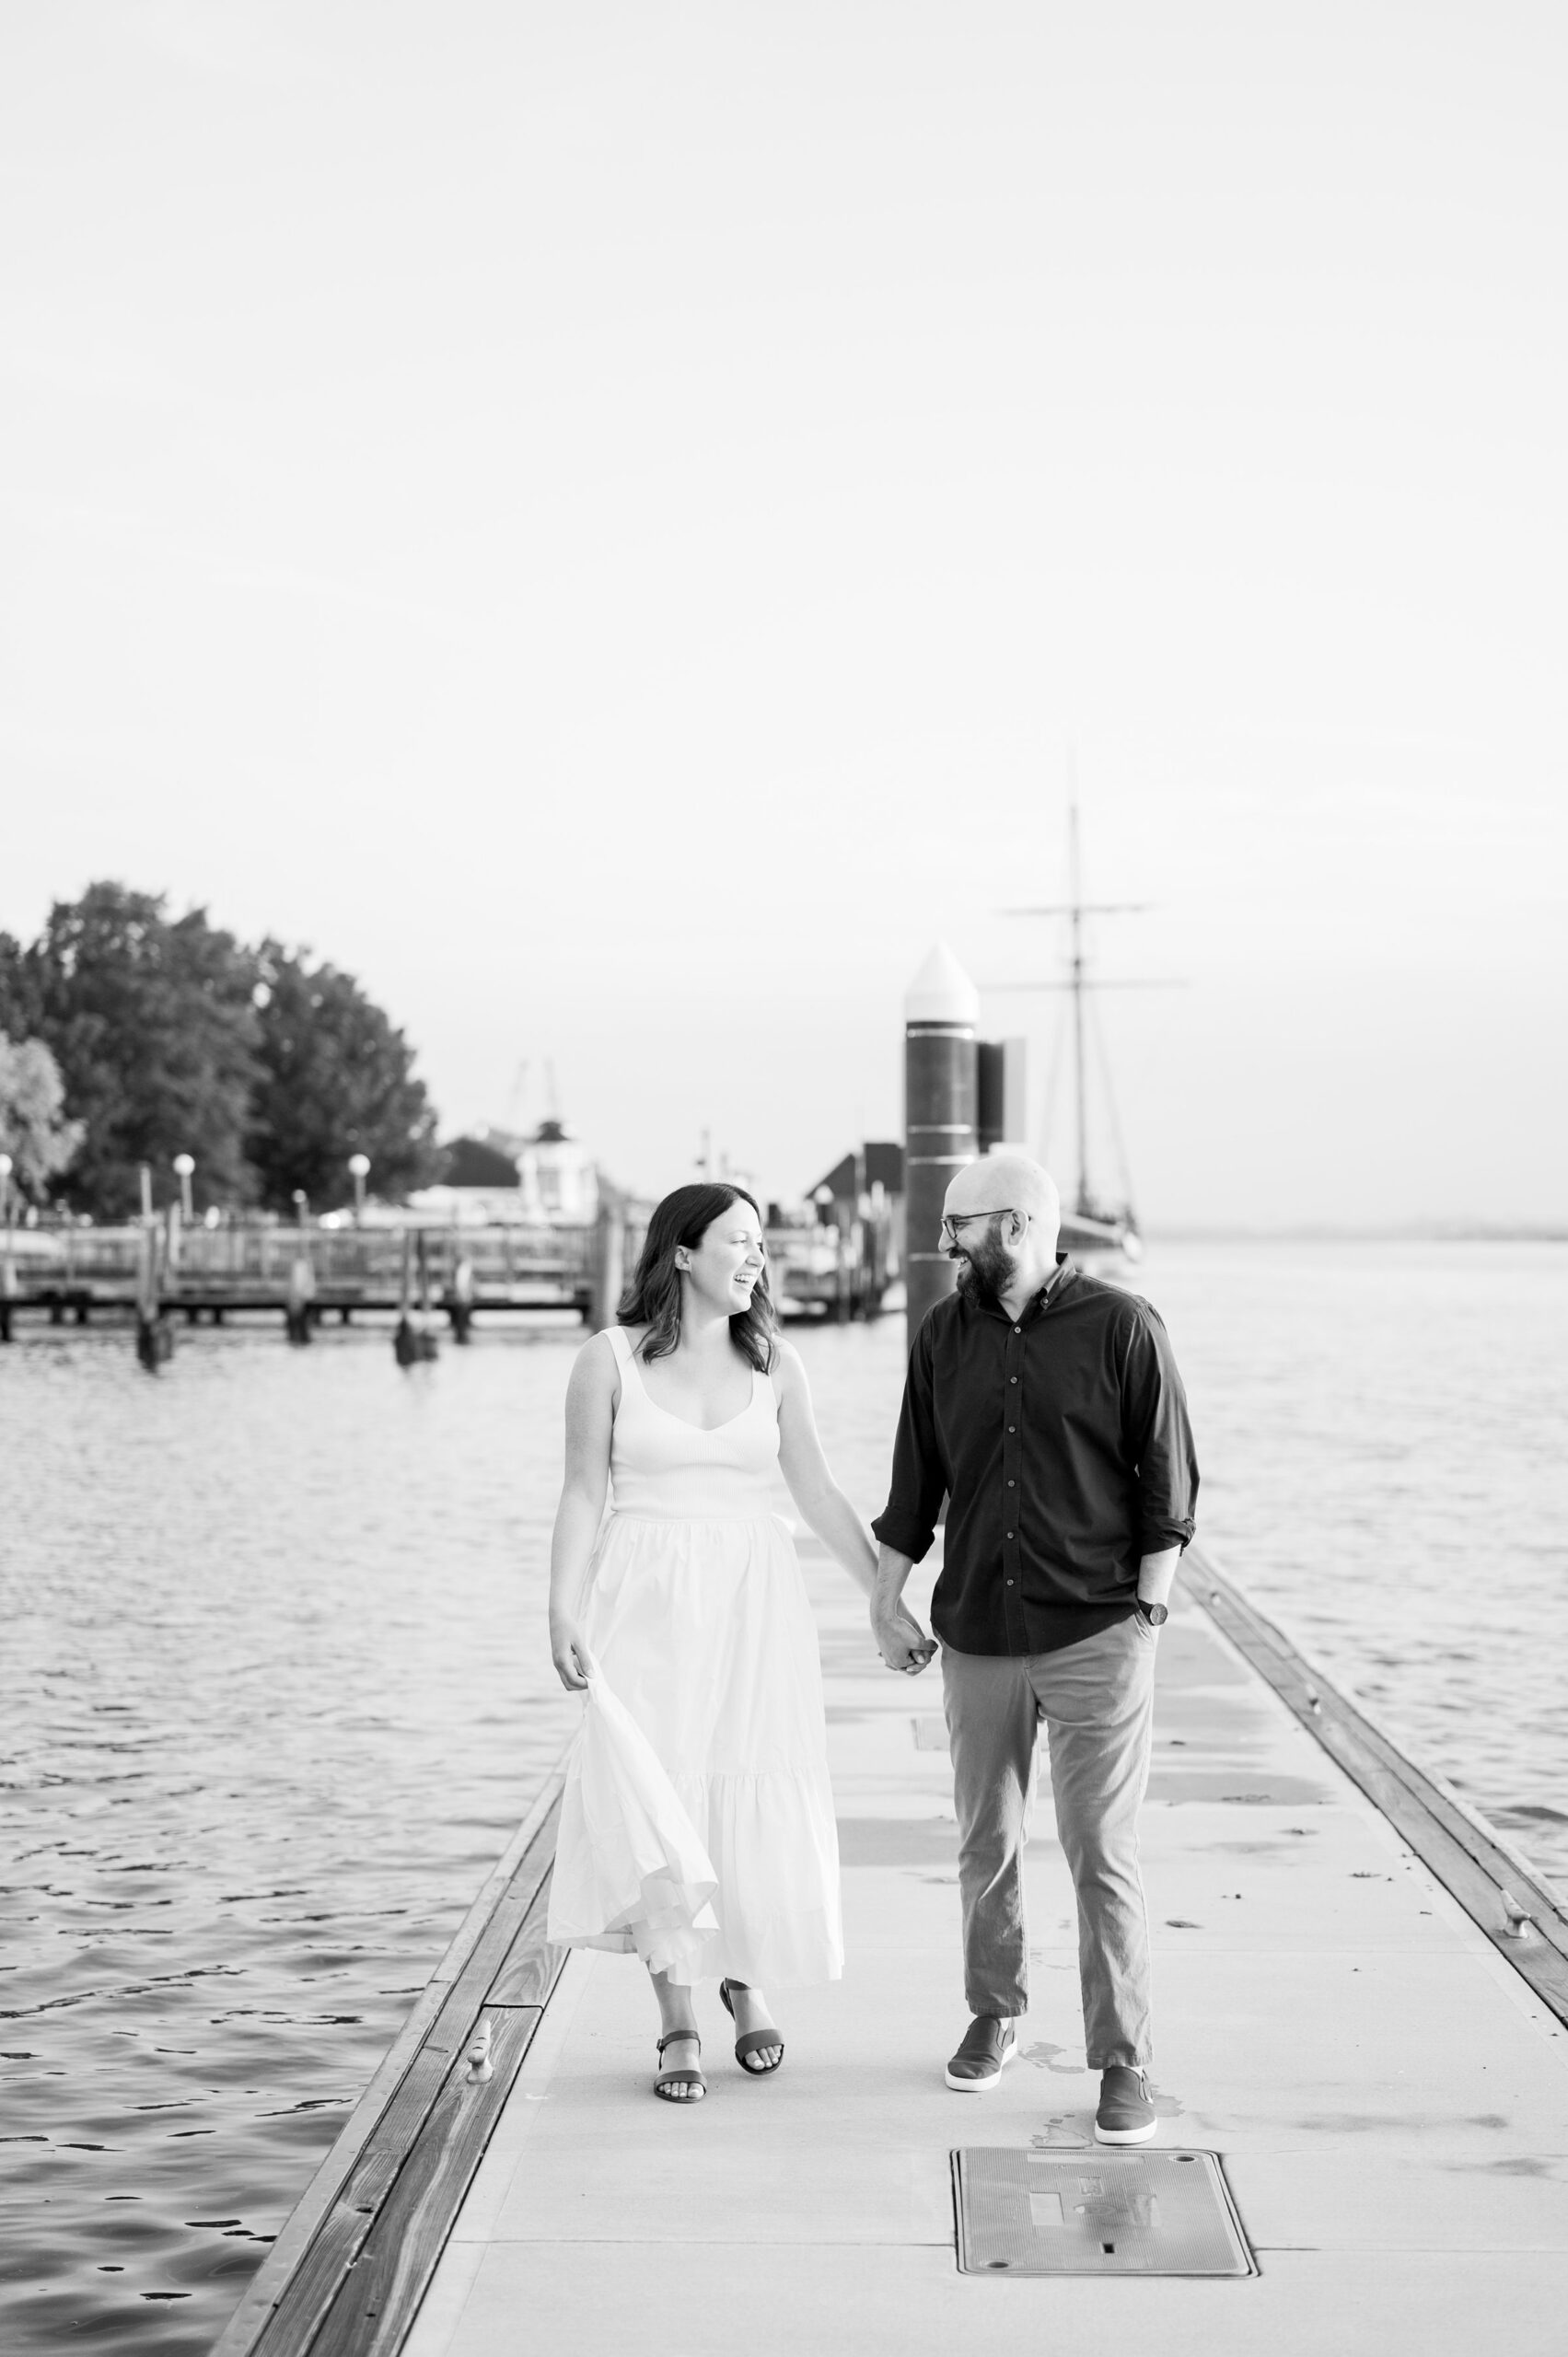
[950, 1226]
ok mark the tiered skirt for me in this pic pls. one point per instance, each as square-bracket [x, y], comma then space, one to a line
[724, 1860]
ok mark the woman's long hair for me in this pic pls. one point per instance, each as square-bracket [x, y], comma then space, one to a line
[653, 1297]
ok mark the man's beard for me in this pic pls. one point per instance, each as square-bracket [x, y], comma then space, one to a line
[986, 1273]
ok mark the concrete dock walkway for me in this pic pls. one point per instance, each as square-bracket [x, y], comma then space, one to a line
[1389, 2096]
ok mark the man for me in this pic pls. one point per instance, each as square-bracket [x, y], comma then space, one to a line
[1047, 1406]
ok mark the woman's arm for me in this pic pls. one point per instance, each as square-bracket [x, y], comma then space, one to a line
[590, 1420]
[811, 1485]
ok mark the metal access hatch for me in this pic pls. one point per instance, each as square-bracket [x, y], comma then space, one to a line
[1097, 2211]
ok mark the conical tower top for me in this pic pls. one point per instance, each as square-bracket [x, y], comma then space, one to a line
[941, 992]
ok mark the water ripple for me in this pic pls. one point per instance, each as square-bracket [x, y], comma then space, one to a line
[276, 1690]
[274, 1695]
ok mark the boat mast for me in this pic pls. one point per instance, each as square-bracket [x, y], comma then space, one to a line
[1079, 981]
[1080, 1069]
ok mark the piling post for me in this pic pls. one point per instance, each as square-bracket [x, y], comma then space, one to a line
[300, 1294]
[403, 1339]
[459, 1292]
[940, 1012]
[155, 1335]
[7, 1249]
[607, 1270]
[415, 1340]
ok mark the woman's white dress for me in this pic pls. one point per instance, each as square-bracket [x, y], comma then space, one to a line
[698, 1619]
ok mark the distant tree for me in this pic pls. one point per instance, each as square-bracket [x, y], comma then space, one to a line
[18, 990]
[154, 1027]
[33, 1128]
[337, 1079]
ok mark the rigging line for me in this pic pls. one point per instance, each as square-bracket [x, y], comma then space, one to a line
[1118, 1140]
[1093, 982]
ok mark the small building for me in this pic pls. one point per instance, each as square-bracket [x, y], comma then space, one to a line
[879, 1162]
[498, 1179]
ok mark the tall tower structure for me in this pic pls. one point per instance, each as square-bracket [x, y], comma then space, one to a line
[940, 1108]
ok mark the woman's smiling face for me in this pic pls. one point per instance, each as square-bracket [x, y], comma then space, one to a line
[724, 1268]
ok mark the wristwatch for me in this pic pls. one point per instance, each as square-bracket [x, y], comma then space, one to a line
[1157, 1615]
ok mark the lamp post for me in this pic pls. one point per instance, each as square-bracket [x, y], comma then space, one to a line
[301, 1201]
[185, 1170]
[359, 1171]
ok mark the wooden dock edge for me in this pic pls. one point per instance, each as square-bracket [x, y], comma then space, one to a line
[346, 2276]
[1497, 1887]
[353, 2260]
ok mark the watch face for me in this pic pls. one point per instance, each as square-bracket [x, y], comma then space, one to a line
[1157, 1615]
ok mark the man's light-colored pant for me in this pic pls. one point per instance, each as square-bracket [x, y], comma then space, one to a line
[1097, 1700]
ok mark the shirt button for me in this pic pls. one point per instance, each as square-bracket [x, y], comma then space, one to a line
[1012, 1485]
[1009, 1583]
[1009, 1535]
[1012, 1428]
[1012, 1378]
[1018, 1329]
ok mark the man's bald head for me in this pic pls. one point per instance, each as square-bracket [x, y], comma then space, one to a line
[1007, 1182]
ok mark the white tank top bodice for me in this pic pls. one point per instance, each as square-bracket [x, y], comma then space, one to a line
[662, 1466]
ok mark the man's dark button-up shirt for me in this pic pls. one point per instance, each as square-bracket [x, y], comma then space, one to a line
[1063, 1444]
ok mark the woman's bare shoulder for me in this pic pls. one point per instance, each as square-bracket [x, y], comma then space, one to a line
[595, 1368]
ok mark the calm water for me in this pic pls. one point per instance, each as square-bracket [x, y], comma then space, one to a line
[276, 1690]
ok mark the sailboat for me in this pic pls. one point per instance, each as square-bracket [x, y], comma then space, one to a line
[1092, 1224]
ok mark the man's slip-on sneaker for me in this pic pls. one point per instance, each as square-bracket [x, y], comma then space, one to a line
[1125, 2115]
[984, 2051]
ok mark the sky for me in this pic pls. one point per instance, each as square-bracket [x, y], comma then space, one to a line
[617, 525]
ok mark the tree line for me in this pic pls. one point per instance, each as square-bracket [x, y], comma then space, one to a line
[128, 1036]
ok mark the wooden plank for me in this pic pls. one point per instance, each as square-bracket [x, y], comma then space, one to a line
[376, 2168]
[454, 2024]
[378, 2298]
[531, 1967]
[1343, 1727]
[1492, 1882]
[326, 2263]
[311, 2212]
[435, 2023]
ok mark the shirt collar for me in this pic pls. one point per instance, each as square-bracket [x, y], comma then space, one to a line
[1038, 1302]
[1053, 1284]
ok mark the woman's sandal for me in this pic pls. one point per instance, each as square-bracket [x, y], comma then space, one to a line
[751, 2042]
[667, 2080]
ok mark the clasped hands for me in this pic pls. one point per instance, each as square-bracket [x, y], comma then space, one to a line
[902, 1642]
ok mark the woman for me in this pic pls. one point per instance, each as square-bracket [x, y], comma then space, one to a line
[696, 1616]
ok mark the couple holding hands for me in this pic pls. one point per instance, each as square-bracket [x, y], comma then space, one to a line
[1044, 1405]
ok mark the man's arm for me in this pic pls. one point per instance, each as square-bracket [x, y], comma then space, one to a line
[1156, 1575]
[902, 1642]
[1157, 1436]
[906, 1524]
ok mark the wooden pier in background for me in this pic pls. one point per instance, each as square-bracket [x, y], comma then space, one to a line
[240, 1268]
[254, 1267]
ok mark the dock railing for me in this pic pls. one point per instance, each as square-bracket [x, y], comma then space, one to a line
[249, 1264]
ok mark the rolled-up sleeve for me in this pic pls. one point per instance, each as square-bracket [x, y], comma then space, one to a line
[919, 1481]
[1157, 1434]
